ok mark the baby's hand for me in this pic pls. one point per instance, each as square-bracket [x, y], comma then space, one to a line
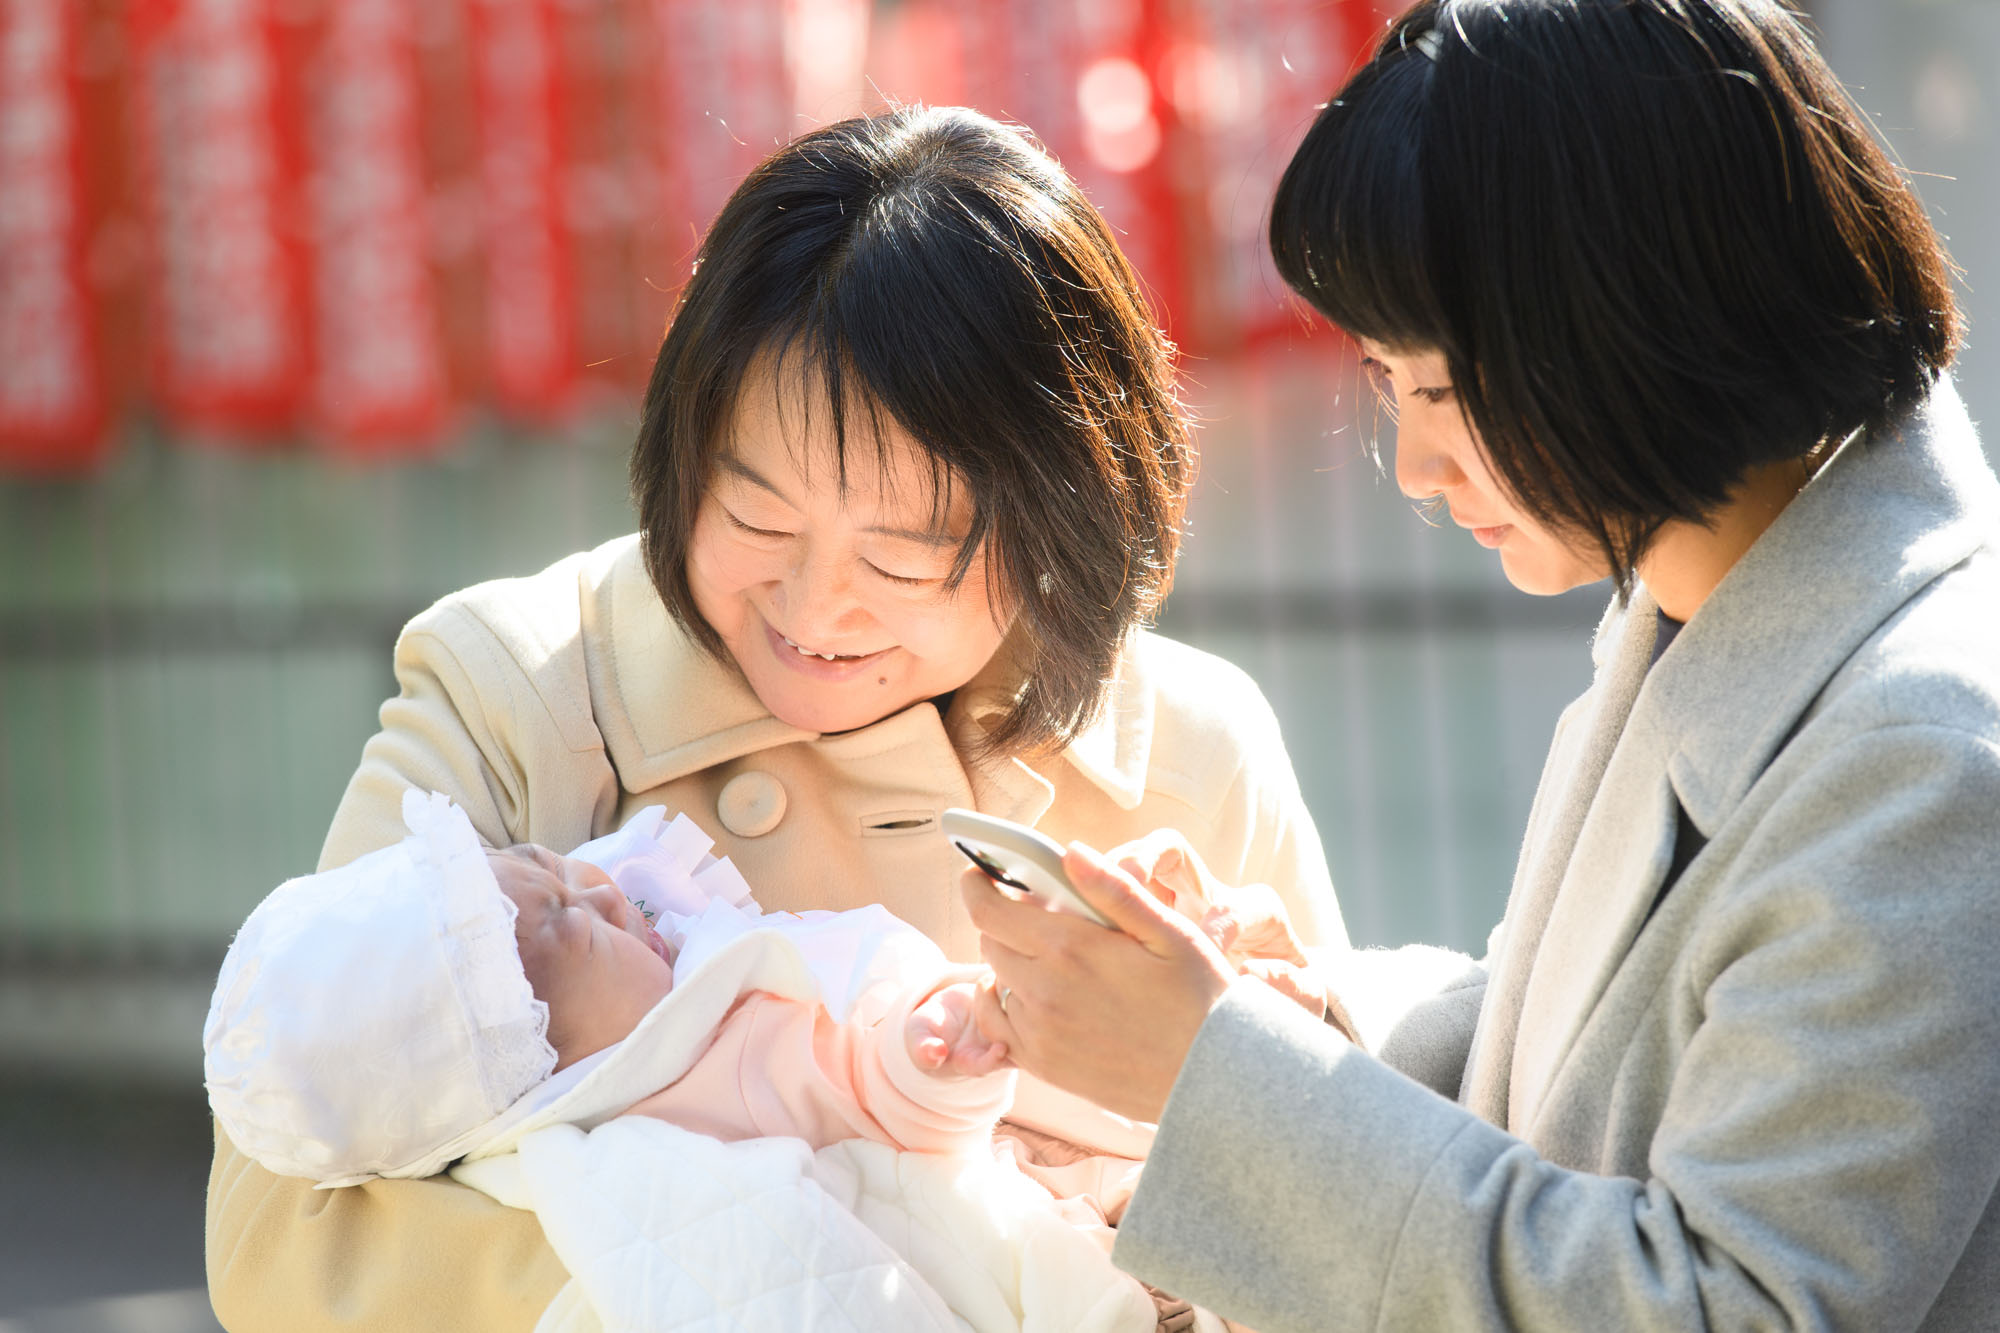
[945, 1041]
[1247, 922]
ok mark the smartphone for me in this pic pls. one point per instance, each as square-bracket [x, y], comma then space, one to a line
[1017, 856]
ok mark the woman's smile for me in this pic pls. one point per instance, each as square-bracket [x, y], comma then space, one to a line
[804, 651]
[817, 665]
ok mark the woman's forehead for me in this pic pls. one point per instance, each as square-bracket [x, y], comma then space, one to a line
[1408, 352]
[865, 463]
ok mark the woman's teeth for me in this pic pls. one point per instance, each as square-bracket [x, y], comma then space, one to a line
[831, 657]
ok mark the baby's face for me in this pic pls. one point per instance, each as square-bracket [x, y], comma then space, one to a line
[587, 951]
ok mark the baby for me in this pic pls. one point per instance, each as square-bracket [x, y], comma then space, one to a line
[436, 998]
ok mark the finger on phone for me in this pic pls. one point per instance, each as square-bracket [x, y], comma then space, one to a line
[998, 915]
[1122, 899]
[1029, 924]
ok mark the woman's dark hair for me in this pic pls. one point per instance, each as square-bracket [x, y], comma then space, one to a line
[937, 267]
[1654, 239]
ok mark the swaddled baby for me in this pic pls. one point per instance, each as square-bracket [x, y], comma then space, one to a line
[435, 998]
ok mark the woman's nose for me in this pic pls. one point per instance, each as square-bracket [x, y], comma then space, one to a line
[819, 596]
[1423, 467]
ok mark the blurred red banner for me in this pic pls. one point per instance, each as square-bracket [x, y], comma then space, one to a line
[378, 376]
[722, 94]
[530, 297]
[217, 155]
[355, 223]
[52, 399]
[1082, 74]
[1245, 81]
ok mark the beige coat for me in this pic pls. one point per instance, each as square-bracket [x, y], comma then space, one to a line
[553, 707]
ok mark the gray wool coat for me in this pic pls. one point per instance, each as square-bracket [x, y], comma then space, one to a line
[1767, 1097]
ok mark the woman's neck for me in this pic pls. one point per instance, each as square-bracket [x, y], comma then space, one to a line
[1687, 560]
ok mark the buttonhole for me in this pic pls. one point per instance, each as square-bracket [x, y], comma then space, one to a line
[891, 822]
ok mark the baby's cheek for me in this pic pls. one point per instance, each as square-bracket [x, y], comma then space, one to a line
[653, 982]
[535, 964]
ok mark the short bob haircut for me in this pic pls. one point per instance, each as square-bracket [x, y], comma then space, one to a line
[1654, 240]
[937, 266]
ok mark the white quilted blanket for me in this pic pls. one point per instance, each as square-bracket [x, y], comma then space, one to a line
[663, 1229]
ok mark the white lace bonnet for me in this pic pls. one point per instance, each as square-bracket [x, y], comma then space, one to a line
[371, 1020]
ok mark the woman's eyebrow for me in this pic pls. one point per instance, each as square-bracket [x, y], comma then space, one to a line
[736, 467]
[933, 537]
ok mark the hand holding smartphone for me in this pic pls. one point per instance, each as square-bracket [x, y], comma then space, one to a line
[1019, 857]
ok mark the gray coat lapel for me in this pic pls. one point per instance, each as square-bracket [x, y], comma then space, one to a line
[1883, 519]
[1578, 758]
[1706, 721]
[1607, 883]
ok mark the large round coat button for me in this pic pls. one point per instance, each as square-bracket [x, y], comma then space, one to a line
[751, 804]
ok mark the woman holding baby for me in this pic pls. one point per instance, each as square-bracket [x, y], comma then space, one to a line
[910, 474]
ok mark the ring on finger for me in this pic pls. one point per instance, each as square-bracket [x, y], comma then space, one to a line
[1005, 995]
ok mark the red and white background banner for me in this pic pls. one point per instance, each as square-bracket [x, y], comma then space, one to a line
[723, 100]
[1083, 75]
[359, 225]
[216, 154]
[52, 397]
[530, 301]
[1244, 82]
[378, 375]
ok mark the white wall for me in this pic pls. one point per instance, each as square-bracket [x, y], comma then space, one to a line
[1928, 72]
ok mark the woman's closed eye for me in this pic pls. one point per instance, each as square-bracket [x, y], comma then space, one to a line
[769, 534]
[1384, 383]
[903, 580]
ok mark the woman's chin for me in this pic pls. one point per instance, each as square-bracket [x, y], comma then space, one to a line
[1540, 578]
[828, 708]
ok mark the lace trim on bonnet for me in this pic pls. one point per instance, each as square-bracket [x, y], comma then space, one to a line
[509, 1027]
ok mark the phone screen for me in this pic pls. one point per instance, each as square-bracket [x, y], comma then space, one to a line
[994, 870]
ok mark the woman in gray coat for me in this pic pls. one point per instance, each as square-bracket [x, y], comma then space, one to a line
[1650, 302]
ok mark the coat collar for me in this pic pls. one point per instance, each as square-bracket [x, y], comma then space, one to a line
[666, 708]
[1881, 520]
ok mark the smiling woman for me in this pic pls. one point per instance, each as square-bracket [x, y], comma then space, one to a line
[910, 475]
[936, 313]
[833, 583]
